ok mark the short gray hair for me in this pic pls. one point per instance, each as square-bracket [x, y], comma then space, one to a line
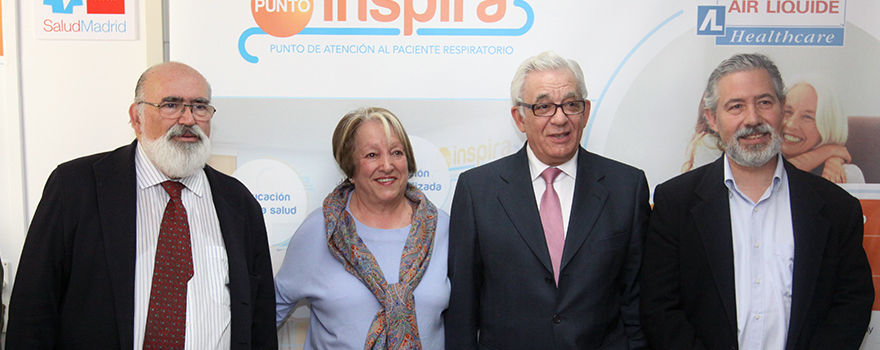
[739, 63]
[545, 61]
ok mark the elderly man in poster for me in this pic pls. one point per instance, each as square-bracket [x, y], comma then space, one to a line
[749, 252]
[146, 246]
[546, 244]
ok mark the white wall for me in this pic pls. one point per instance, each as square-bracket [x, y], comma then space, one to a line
[61, 99]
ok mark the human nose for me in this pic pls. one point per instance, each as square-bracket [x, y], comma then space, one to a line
[789, 122]
[186, 115]
[562, 118]
[385, 164]
[752, 116]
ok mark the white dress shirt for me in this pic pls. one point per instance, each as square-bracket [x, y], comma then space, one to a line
[208, 311]
[563, 184]
[763, 260]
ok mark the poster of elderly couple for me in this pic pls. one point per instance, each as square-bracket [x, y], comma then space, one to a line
[283, 73]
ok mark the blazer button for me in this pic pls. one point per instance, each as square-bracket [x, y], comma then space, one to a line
[557, 319]
[549, 280]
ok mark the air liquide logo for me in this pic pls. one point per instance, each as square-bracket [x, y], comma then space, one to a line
[286, 18]
[83, 19]
[774, 22]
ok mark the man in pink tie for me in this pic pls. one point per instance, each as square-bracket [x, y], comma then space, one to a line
[546, 244]
[147, 247]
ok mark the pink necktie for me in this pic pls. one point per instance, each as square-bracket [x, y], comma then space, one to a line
[551, 219]
[166, 319]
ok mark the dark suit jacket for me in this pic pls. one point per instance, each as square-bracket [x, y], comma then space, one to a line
[75, 284]
[688, 293]
[499, 265]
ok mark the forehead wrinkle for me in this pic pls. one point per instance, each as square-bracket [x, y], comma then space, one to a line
[734, 100]
[767, 94]
[542, 97]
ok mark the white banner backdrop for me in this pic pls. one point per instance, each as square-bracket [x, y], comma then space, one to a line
[284, 72]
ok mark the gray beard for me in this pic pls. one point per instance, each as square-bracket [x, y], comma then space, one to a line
[753, 156]
[178, 159]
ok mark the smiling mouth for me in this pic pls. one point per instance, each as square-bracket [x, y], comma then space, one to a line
[385, 180]
[754, 136]
[560, 135]
[790, 138]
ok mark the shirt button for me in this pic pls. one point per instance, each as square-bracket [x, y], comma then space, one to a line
[557, 319]
[757, 245]
[757, 281]
[755, 210]
[757, 317]
[549, 280]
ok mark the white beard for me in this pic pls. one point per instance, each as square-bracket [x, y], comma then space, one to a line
[178, 159]
[755, 155]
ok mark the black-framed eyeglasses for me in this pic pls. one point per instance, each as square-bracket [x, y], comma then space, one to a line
[172, 110]
[549, 109]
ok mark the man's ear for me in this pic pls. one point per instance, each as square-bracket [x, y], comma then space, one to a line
[518, 118]
[710, 119]
[133, 118]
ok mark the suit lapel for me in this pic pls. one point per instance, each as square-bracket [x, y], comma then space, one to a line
[233, 227]
[518, 200]
[586, 207]
[810, 233]
[712, 217]
[117, 207]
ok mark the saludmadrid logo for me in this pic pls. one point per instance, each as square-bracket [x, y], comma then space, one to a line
[286, 18]
[63, 23]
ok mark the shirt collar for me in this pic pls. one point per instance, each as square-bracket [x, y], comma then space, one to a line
[149, 175]
[536, 167]
[730, 182]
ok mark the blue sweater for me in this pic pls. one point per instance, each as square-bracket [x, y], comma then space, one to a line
[342, 308]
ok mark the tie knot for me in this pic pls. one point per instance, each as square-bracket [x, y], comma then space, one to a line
[550, 174]
[173, 188]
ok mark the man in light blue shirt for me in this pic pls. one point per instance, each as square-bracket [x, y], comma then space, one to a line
[749, 252]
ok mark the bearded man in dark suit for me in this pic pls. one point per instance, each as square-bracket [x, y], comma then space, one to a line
[90, 268]
[749, 252]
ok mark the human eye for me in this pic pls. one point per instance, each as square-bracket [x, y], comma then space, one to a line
[573, 106]
[169, 105]
[397, 152]
[370, 155]
[542, 107]
[200, 107]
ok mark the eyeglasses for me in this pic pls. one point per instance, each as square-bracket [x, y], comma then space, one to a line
[172, 110]
[549, 109]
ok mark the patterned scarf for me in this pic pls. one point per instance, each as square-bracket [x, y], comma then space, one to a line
[394, 326]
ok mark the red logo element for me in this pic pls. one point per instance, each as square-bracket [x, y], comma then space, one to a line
[107, 7]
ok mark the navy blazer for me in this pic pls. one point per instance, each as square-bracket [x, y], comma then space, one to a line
[500, 270]
[688, 292]
[75, 284]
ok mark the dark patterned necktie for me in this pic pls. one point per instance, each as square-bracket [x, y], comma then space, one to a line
[166, 319]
